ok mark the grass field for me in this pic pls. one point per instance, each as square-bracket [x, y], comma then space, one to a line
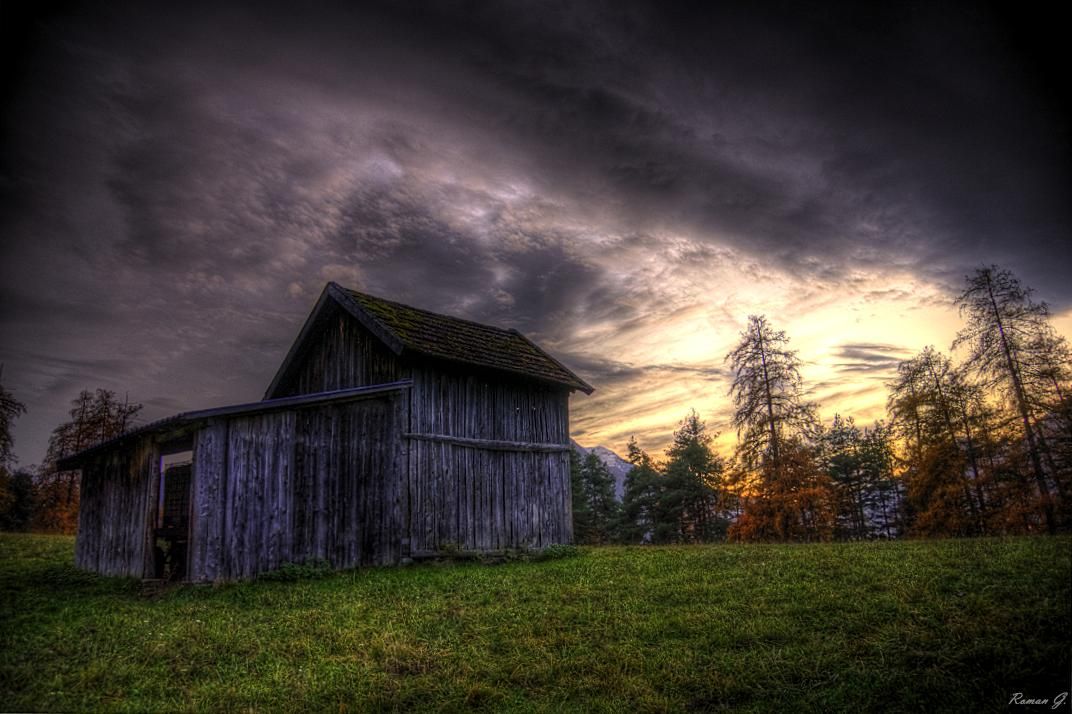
[905, 626]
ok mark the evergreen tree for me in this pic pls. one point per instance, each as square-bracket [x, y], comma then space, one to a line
[640, 511]
[582, 515]
[860, 465]
[844, 460]
[600, 506]
[595, 510]
[882, 491]
[690, 499]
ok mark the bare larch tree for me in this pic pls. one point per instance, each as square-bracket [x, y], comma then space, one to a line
[767, 393]
[1004, 332]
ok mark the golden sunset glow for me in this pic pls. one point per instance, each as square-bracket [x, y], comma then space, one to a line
[849, 335]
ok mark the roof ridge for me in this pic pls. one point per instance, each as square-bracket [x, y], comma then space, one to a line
[405, 328]
[429, 312]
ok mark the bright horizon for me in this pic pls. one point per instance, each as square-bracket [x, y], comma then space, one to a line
[846, 365]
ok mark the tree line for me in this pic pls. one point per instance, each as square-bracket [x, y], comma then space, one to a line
[977, 447]
[45, 499]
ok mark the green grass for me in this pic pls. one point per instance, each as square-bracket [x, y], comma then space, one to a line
[911, 626]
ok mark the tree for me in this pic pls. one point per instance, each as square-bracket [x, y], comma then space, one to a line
[690, 499]
[595, 510]
[644, 484]
[17, 499]
[786, 495]
[1048, 373]
[582, 516]
[767, 393]
[844, 463]
[1005, 329]
[931, 403]
[96, 417]
[1048, 387]
[793, 502]
[14, 498]
[882, 489]
[10, 409]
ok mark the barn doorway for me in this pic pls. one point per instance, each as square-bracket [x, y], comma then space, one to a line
[171, 528]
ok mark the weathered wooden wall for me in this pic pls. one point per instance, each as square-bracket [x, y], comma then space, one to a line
[466, 457]
[322, 483]
[343, 354]
[117, 495]
[469, 493]
[466, 495]
[450, 400]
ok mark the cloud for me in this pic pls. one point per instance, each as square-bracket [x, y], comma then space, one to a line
[623, 183]
[881, 359]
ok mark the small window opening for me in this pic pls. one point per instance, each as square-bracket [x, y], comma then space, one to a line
[173, 506]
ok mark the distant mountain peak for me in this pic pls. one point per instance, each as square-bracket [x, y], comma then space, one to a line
[617, 466]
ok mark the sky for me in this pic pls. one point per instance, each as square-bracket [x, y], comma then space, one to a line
[623, 182]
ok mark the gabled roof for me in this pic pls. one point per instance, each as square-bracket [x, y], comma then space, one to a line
[406, 329]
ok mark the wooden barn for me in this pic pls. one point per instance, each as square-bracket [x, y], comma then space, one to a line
[388, 433]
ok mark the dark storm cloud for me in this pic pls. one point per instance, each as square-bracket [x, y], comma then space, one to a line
[794, 136]
[179, 183]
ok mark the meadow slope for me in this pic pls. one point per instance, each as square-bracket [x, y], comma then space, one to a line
[923, 625]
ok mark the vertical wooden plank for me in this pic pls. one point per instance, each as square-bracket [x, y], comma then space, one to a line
[403, 477]
[236, 494]
[210, 504]
[341, 354]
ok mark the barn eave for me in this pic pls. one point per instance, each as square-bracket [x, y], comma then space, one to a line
[193, 418]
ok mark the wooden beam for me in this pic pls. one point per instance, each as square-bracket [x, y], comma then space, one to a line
[343, 298]
[490, 444]
[302, 400]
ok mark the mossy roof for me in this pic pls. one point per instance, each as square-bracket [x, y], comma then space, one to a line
[458, 340]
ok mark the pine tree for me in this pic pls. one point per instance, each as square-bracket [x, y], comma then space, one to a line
[599, 507]
[640, 510]
[882, 489]
[693, 484]
[596, 514]
[844, 462]
[859, 462]
[582, 514]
